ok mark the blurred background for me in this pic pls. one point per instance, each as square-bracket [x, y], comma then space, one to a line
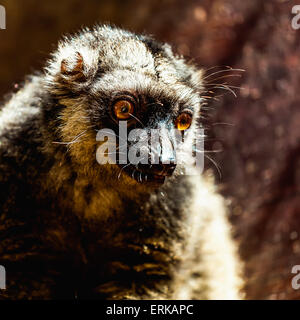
[258, 131]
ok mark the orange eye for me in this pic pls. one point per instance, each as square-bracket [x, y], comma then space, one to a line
[183, 121]
[123, 109]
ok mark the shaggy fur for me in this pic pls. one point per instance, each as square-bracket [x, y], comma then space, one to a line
[70, 227]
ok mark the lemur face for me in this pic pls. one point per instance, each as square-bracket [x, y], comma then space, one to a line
[133, 88]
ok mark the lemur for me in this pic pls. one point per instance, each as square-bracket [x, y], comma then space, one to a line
[71, 228]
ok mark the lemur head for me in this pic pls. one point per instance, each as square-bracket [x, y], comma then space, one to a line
[106, 79]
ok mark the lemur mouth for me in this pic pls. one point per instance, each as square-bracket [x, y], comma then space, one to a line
[149, 174]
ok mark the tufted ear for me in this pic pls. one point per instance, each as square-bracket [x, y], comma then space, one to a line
[73, 68]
